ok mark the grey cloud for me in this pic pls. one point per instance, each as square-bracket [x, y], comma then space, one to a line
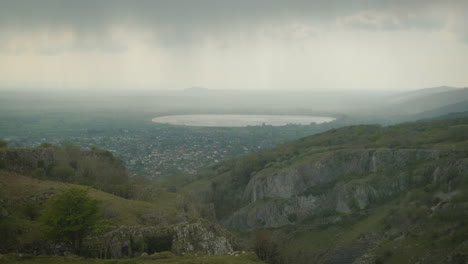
[458, 23]
[182, 15]
[393, 20]
[179, 21]
[91, 14]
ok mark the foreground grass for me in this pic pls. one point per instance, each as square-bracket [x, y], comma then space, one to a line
[19, 188]
[23, 198]
[247, 258]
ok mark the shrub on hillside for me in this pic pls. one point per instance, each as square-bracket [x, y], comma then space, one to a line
[70, 216]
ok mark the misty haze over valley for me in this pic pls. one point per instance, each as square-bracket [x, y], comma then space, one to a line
[220, 131]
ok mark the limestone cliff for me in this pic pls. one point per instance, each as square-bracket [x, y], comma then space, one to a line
[336, 181]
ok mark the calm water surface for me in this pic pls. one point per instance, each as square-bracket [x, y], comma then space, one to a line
[240, 120]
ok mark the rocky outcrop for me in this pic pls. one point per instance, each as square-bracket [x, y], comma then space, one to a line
[273, 212]
[338, 182]
[122, 242]
[185, 238]
[330, 167]
[200, 238]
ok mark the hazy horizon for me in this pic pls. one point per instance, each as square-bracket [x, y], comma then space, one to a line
[54, 88]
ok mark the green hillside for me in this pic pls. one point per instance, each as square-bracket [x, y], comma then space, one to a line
[145, 219]
[369, 194]
[357, 194]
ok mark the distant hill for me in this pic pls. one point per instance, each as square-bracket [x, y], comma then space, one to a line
[444, 110]
[401, 97]
[197, 89]
[425, 104]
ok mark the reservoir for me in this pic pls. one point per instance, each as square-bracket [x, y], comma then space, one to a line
[240, 120]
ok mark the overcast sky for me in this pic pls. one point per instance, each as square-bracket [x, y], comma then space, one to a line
[234, 44]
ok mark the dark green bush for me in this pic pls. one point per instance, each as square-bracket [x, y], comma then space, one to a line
[159, 243]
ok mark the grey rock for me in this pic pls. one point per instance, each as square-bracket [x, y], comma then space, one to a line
[281, 197]
[199, 237]
[125, 241]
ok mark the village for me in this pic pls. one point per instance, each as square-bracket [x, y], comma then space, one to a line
[165, 149]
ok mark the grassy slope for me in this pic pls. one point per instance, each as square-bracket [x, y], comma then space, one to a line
[18, 192]
[414, 232]
[440, 233]
[425, 233]
[450, 134]
[124, 212]
[247, 258]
